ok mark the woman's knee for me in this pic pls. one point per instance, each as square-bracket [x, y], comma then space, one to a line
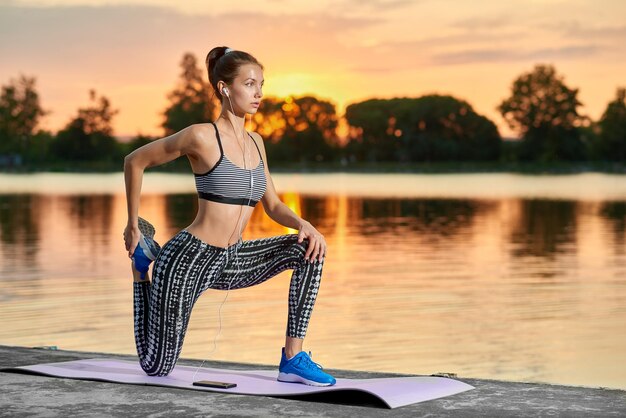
[296, 248]
[299, 250]
[160, 370]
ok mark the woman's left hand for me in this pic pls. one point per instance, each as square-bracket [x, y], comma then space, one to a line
[317, 243]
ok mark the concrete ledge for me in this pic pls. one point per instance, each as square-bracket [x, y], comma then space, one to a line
[29, 395]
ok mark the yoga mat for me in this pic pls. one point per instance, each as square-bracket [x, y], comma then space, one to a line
[392, 391]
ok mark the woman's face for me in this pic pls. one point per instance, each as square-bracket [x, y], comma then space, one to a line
[246, 90]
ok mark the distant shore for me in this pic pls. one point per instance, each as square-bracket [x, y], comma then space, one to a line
[182, 166]
[569, 185]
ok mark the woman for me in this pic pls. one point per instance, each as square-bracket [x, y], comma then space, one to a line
[231, 174]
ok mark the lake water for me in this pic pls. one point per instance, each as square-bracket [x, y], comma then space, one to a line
[485, 275]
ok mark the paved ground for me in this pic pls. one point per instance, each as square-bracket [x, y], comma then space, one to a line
[29, 395]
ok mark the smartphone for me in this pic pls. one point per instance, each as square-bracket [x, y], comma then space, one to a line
[211, 384]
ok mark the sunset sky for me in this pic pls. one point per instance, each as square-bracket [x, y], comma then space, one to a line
[342, 51]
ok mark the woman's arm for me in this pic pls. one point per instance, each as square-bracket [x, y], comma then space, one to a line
[280, 213]
[155, 153]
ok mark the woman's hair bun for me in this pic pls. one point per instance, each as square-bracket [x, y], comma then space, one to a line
[213, 55]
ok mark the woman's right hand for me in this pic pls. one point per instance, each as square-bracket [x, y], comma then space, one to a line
[131, 238]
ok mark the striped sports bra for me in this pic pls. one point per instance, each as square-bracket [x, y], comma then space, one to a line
[228, 183]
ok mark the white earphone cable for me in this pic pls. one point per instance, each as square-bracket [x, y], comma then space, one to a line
[237, 244]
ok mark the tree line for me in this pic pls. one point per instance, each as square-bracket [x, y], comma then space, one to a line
[431, 128]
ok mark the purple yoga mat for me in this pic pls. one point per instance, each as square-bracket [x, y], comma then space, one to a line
[393, 391]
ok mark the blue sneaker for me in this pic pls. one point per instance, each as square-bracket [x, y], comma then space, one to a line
[147, 249]
[301, 369]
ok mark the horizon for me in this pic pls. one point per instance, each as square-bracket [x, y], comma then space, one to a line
[344, 55]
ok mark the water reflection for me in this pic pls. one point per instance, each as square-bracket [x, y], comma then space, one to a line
[92, 215]
[17, 220]
[614, 214]
[19, 232]
[444, 284]
[441, 217]
[180, 209]
[544, 228]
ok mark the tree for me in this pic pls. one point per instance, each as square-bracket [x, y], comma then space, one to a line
[298, 128]
[444, 128]
[189, 101]
[139, 141]
[20, 113]
[544, 111]
[89, 136]
[428, 128]
[611, 144]
[369, 139]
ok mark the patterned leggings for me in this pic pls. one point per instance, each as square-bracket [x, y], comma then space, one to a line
[187, 266]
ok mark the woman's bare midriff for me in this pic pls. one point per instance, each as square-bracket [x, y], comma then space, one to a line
[219, 224]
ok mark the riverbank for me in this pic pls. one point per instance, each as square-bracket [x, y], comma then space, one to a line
[182, 166]
[30, 395]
